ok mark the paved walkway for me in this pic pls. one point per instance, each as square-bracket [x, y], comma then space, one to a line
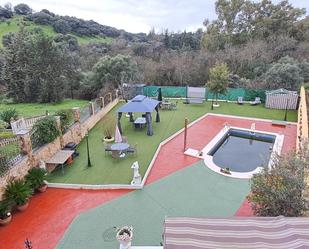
[50, 213]
[192, 191]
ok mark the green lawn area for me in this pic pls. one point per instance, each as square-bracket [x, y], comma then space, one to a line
[13, 26]
[35, 109]
[107, 170]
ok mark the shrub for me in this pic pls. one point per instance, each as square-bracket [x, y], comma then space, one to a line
[279, 191]
[3, 125]
[36, 177]
[4, 135]
[17, 192]
[45, 130]
[66, 117]
[8, 115]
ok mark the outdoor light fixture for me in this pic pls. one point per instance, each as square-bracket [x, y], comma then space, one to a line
[88, 154]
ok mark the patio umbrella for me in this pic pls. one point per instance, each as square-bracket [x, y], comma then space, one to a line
[159, 94]
[118, 137]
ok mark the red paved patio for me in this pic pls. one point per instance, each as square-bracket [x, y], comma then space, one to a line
[49, 214]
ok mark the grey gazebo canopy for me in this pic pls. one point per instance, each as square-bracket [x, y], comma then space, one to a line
[142, 104]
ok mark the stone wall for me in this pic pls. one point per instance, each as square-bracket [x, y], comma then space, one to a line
[74, 134]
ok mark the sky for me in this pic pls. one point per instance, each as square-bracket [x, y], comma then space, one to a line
[138, 15]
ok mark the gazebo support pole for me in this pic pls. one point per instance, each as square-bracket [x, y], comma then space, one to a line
[158, 115]
[185, 135]
[131, 117]
[149, 124]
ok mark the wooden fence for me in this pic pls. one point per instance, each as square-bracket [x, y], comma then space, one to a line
[302, 124]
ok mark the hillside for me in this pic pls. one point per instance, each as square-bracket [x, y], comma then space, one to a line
[12, 25]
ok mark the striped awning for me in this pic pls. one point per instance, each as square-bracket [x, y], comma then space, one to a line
[236, 232]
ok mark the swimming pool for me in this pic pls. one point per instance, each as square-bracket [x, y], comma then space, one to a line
[243, 151]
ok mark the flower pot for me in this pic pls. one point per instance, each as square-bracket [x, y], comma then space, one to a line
[108, 140]
[124, 237]
[43, 188]
[6, 220]
[23, 207]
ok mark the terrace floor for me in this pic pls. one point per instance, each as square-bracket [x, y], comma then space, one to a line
[176, 185]
[108, 170]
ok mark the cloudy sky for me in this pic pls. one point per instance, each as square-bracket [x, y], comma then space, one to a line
[137, 15]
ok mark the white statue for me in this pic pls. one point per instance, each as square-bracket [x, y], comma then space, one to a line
[42, 164]
[137, 179]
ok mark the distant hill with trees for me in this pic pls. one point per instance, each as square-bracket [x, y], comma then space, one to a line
[49, 57]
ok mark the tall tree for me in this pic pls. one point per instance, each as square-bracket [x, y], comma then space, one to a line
[113, 71]
[241, 20]
[34, 67]
[286, 73]
[218, 79]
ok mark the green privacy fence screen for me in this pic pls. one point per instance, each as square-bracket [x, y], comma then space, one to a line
[180, 92]
[167, 91]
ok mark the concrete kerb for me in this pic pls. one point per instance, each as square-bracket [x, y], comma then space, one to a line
[129, 186]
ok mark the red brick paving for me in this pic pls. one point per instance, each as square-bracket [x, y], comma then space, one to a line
[49, 214]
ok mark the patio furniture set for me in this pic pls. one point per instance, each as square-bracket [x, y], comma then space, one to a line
[166, 105]
[240, 101]
[120, 150]
[62, 158]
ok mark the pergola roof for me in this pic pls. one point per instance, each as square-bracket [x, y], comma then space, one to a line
[236, 232]
[139, 103]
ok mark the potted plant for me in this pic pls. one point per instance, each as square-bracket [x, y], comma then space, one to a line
[18, 192]
[36, 179]
[5, 212]
[124, 236]
[109, 127]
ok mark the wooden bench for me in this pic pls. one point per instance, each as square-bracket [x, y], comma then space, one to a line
[279, 123]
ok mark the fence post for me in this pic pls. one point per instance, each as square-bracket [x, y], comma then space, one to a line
[59, 127]
[25, 142]
[76, 114]
[102, 101]
[91, 107]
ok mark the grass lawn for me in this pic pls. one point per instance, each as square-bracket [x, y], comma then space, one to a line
[35, 109]
[107, 170]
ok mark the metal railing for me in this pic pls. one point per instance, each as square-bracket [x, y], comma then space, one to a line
[97, 105]
[85, 113]
[25, 124]
[10, 154]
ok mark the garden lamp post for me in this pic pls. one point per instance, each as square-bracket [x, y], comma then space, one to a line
[88, 154]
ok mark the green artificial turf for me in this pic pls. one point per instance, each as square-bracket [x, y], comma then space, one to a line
[108, 170]
[192, 191]
[35, 109]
